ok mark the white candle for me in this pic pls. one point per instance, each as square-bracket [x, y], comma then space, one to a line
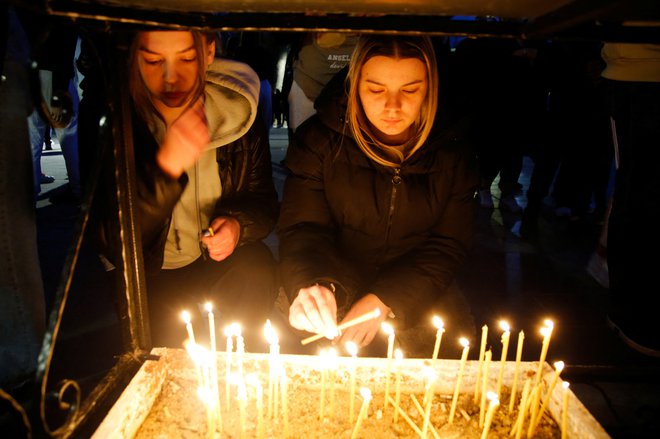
[546, 332]
[484, 387]
[427, 410]
[466, 347]
[252, 380]
[242, 404]
[559, 366]
[398, 357]
[240, 347]
[323, 354]
[366, 396]
[285, 401]
[505, 348]
[229, 333]
[185, 315]
[440, 325]
[332, 364]
[492, 405]
[273, 361]
[516, 373]
[389, 330]
[564, 411]
[482, 352]
[214, 364]
[352, 350]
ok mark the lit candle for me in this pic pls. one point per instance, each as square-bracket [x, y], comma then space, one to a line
[559, 366]
[427, 410]
[285, 401]
[516, 373]
[240, 347]
[522, 410]
[398, 357]
[440, 325]
[242, 404]
[214, 363]
[482, 352]
[505, 348]
[252, 380]
[229, 333]
[352, 350]
[484, 387]
[466, 347]
[205, 395]
[332, 364]
[546, 332]
[564, 411]
[492, 405]
[389, 330]
[366, 397]
[185, 315]
[323, 356]
[273, 361]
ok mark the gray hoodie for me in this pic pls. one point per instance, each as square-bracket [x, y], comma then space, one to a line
[231, 97]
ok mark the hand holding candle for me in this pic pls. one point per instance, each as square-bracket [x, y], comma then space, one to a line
[375, 313]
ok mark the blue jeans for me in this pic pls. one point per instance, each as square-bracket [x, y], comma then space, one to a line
[22, 304]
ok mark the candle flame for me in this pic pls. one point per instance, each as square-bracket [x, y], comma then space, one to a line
[271, 335]
[366, 393]
[204, 393]
[438, 323]
[492, 397]
[398, 354]
[185, 315]
[565, 385]
[505, 326]
[429, 374]
[351, 348]
[252, 380]
[464, 342]
[198, 354]
[387, 328]
[208, 306]
[549, 324]
[546, 331]
[559, 366]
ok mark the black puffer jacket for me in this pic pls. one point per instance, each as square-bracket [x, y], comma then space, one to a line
[401, 234]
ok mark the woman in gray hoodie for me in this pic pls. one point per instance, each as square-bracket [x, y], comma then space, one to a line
[205, 194]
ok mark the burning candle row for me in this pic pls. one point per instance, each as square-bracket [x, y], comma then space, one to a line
[531, 406]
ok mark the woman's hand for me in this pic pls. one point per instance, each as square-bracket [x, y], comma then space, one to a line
[184, 141]
[315, 310]
[226, 233]
[364, 333]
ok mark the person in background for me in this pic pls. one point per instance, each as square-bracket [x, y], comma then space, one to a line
[205, 194]
[377, 209]
[633, 71]
[319, 57]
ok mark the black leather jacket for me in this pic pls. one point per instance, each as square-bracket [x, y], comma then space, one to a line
[248, 193]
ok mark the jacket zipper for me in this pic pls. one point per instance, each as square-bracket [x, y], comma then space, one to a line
[396, 181]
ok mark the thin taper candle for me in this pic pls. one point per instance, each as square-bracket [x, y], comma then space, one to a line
[505, 348]
[482, 352]
[564, 411]
[466, 347]
[484, 387]
[516, 373]
[440, 325]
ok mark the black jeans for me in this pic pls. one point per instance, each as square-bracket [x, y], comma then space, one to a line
[242, 289]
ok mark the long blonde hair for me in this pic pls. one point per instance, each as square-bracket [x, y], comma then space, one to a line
[137, 88]
[398, 47]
